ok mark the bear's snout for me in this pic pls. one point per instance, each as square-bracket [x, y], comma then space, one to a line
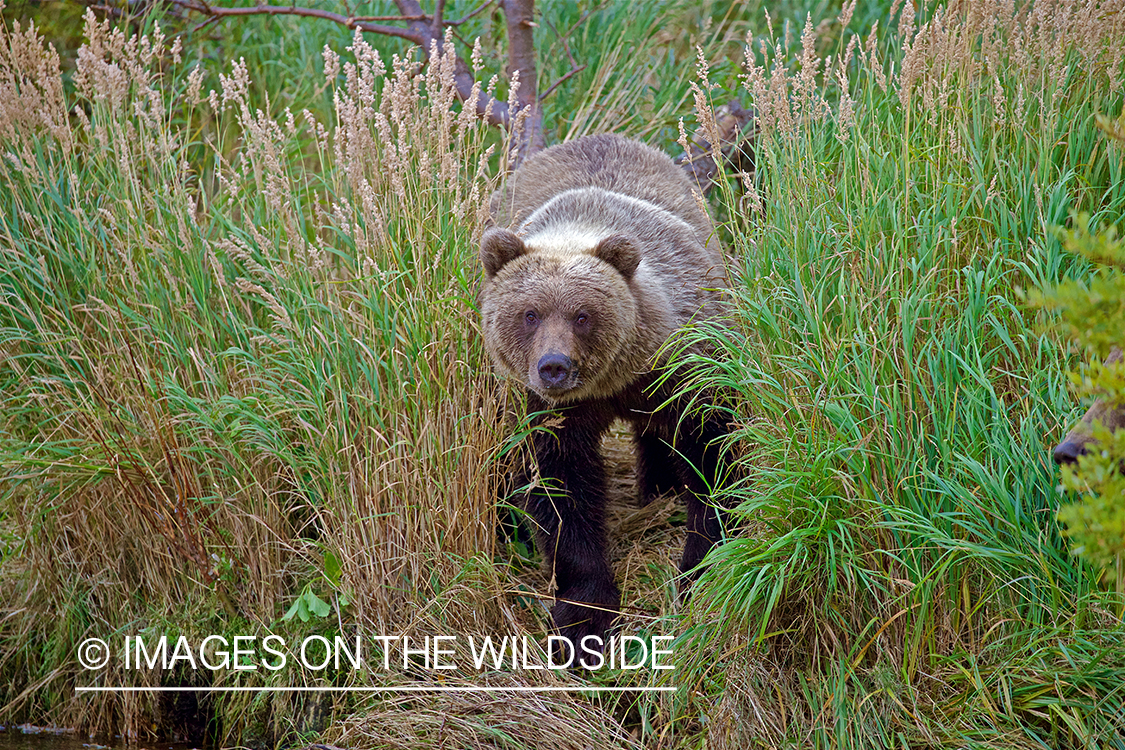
[555, 370]
[1068, 452]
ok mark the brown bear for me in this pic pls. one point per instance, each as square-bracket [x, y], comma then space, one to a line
[600, 251]
[1078, 440]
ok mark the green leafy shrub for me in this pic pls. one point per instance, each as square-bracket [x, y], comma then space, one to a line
[1092, 314]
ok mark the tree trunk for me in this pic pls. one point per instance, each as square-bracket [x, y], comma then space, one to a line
[528, 119]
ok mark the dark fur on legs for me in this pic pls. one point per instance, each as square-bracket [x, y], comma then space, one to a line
[601, 251]
[657, 467]
[569, 502]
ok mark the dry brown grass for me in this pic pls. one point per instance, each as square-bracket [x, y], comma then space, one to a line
[218, 376]
[222, 365]
[550, 721]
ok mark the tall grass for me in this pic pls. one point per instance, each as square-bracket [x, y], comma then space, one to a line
[240, 369]
[902, 580]
[210, 394]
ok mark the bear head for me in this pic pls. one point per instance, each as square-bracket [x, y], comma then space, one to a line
[559, 312]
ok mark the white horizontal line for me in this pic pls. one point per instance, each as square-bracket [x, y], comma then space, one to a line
[388, 689]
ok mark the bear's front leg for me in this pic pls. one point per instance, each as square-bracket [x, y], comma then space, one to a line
[656, 466]
[568, 506]
[702, 446]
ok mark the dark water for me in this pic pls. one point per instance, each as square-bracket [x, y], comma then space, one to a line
[37, 738]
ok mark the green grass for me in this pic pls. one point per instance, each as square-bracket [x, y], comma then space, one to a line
[902, 575]
[227, 385]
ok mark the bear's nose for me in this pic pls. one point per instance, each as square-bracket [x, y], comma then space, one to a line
[1068, 452]
[554, 369]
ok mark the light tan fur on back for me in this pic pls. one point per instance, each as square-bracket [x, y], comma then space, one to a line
[602, 161]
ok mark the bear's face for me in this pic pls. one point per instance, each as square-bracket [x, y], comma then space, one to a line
[556, 318]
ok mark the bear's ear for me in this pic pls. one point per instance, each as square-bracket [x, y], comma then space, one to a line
[499, 247]
[621, 252]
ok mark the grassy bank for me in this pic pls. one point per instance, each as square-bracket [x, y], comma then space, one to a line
[241, 372]
[903, 581]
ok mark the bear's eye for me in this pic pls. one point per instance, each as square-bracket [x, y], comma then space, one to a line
[530, 317]
[581, 319]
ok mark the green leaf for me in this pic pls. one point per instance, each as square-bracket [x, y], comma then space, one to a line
[291, 611]
[332, 569]
[319, 607]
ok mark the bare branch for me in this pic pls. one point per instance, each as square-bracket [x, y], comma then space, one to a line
[212, 21]
[565, 36]
[571, 73]
[419, 30]
[110, 10]
[498, 114]
[389, 18]
[218, 11]
[411, 8]
[473, 13]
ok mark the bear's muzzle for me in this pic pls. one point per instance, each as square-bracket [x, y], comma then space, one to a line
[556, 371]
